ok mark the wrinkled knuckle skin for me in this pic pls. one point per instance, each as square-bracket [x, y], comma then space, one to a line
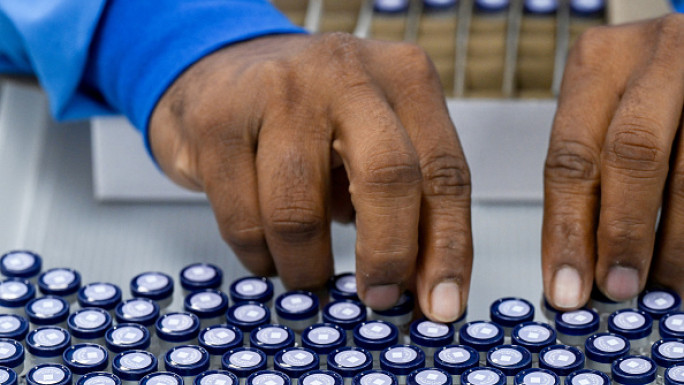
[446, 175]
[296, 223]
[635, 148]
[671, 32]
[392, 168]
[341, 48]
[569, 161]
[415, 63]
[620, 237]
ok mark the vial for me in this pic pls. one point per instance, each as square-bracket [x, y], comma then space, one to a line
[321, 377]
[13, 326]
[635, 325]
[540, 7]
[509, 359]
[343, 286]
[200, 276]
[671, 325]
[162, 378]
[547, 310]
[132, 365]
[259, 289]
[561, 359]
[174, 329]
[268, 377]
[217, 340]
[248, 316]
[12, 355]
[399, 315]
[21, 264]
[208, 305]
[634, 370]
[430, 336]
[376, 336]
[47, 311]
[126, 336]
[533, 336]
[604, 348]
[297, 309]
[573, 327]
[439, 5]
[60, 282]
[587, 8]
[294, 362]
[346, 314]
[455, 360]
[587, 376]
[657, 303]
[510, 312]
[187, 361]
[99, 294]
[89, 325]
[483, 376]
[481, 336]
[390, 6]
[271, 338]
[349, 361]
[82, 359]
[8, 376]
[375, 377]
[605, 307]
[429, 376]
[243, 362]
[491, 6]
[49, 374]
[401, 360]
[153, 285]
[460, 321]
[142, 311]
[216, 377]
[46, 345]
[15, 293]
[322, 339]
[537, 376]
[674, 375]
[99, 378]
[665, 353]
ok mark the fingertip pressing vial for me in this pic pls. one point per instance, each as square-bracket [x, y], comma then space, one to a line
[483, 376]
[272, 338]
[268, 377]
[297, 309]
[533, 336]
[163, 378]
[401, 360]
[15, 293]
[561, 359]
[657, 303]
[321, 377]
[13, 326]
[46, 345]
[481, 336]
[634, 370]
[89, 325]
[348, 361]
[248, 316]
[12, 355]
[21, 264]
[127, 336]
[216, 377]
[188, 361]
[322, 339]
[456, 359]
[153, 285]
[175, 329]
[604, 306]
[537, 376]
[46, 311]
[671, 325]
[99, 294]
[604, 348]
[49, 374]
[346, 314]
[399, 315]
[82, 359]
[510, 312]
[429, 376]
[635, 325]
[61, 282]
[390, 6]
[666, 353]
[243, 362]
[375, 377]
[8, 376]
[674, 375]
[573, 327]
[259, 289]
[132, 365]
[140, 311]
[587, 377]
[294, 362]
[540, 7]
[343, 286]
[208, 305]
[509, 359]
[430, 336]
[217, 340]
[200, 276]
[99, 378]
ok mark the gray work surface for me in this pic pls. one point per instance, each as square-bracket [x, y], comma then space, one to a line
[47, 205]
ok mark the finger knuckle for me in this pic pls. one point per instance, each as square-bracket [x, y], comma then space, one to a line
[446, 174]
[671, 32]
[590, 49]
[570, 160]
[296, 221]
[341, 47]
[415, 61]
[392, 169]
[622, 234]
[636, 147]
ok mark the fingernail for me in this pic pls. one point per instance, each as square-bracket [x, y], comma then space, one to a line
[622, 283]
[567, 287]
[381, 296]
[445, 302]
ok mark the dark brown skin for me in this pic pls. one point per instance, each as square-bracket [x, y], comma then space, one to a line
[616, 155]
[286, 133]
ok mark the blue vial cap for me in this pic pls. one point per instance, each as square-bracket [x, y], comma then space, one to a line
[633, 370]
[216, 377]
[349, 361]
[59, 281]
[294, 362]
[20, 264]
[218, 339]
[456, 359]
[672, 325]
[390, 6]
[587, 376]
[321, 377]
[141, 311]
[127, 336]
[48, 310]
[89, 323]
[439, 5]
[668, 352]
[376, 335]
[404, 306]
[208, 303]
[268, 377]
[187, 360]
[244, 361]
[99, 294]
[177, 327]
[162, 378]
[579, 322]
[510, 359]
[271, 338]
[428, 376]
[533, 336]
[536, 376]
[375, 377]
[48, 341]
[491, 6]
[132, 365]
[248, 316]
[296, 305]
[483, 376]
[11, 353]
[99, 378]
[49, 374]
[541, 7]
[259, 289]
[657, 303]
[424, 332]
[323, 338]
[674, 375]
[561, 359]
[344, 313]
[632, 324]
[606, 347]
[85, 358]
[16, 292]
[481, 335]
[153, 285]
[343, 286]
[7, 376]
[401, 360]
[511, 311]
[13, 326]
[200, 276]
[587, 7]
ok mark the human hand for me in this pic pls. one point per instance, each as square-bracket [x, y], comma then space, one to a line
[616, 156]
[285, 132]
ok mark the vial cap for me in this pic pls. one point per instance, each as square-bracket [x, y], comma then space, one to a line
[218, 339]
[59, 281]
[657, 303]
[208, 303]
[89, 323]
[511, 311]
[429, 376]
[483, 376]
[200, 276]
[323, 338]
[20, 264]
[85, 358]
[674, 375]
[344, 313]
[349, 361]
[587, 377]
[401, 360]
[141, 311]
[606, 347]
[374, 377]
[431, 334]
[272, 338]
[541, 7]
[376, 335]
[99, 294]
[244, 361]
[668, 352]
[48, 374]
[153, 285]
[536, 376]
[16, 292]
[404, 306]
[132, 365]
[343, 286]
[162, 378]
[437, 5]
[390, 6]
[177, 327]
[296, 305]
[99, 378]
[48, 310]
[456, 359]
[268, 377]
[295, 361]
[587, 7]
[632, 324]
[634, 370]
[248, 315]
[48, 341]
[127, 336]
[491, 5]
[321, 377]
[11, 353]
[8, 376]
[534, 336]
[13, 326]
[561, 359]
[481, 335]
[578, 322]
[510, 359]
[259, 289]
[216, 377]
[187, 360]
